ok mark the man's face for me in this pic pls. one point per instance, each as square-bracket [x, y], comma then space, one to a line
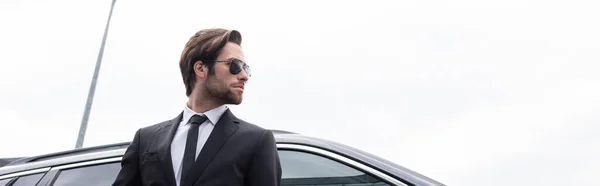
[223, 86]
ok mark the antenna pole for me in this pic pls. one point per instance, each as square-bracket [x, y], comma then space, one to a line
[90, 99]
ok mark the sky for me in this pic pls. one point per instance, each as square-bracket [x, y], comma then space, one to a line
[466, 92]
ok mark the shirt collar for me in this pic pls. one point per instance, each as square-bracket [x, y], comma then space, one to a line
[213, 115]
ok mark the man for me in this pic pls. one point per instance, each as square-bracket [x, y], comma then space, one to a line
[205, 144]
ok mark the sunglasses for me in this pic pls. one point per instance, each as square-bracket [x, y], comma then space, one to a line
[235, 65]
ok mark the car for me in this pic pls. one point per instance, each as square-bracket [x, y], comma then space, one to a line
[304, 160]
[5, 161]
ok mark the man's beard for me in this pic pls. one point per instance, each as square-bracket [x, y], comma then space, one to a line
[220, 92]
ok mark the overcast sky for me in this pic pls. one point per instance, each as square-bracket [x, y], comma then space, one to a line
[466, 92]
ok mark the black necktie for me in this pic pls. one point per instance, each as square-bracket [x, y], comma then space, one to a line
[189, 156]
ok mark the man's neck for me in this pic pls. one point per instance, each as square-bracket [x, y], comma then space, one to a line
[201, 105]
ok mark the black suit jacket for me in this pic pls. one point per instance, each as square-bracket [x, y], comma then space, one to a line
[236, 153]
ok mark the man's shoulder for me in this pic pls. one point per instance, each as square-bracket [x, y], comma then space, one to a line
[256, 136]
[156, 126]
[248, 128]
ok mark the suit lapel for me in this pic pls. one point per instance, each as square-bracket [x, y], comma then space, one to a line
[224, 128]
[166, 135]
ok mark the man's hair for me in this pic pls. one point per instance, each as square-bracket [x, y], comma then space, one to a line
[204, 46]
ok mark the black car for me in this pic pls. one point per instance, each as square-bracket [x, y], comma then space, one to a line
[304, 160]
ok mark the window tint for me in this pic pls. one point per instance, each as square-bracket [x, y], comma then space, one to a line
[100, 175]
[28, 180]
[302, 168]
[4, 181]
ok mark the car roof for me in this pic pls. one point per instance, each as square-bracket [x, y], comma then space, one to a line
[281, 137]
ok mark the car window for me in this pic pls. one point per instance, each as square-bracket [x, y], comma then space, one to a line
[302, 168]
[101, 175]
[28, 180]
[4, 181]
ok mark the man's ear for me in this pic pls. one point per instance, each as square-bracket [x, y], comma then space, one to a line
[200, 70]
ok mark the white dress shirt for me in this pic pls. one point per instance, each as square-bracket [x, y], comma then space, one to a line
[179, 140]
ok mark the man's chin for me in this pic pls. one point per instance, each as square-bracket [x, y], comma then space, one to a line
[235, 100]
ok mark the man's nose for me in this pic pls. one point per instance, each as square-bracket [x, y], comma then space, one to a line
[243, 75]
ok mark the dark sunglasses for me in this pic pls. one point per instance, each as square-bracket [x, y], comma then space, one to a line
[235, 66]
